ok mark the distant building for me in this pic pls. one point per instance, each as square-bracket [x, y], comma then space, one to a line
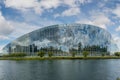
[63, 38]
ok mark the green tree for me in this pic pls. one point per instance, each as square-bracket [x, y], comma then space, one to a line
[103, 54]
[73, 54]
[15, 55]
[117, 53]
[79, 47]
[41, 53]
[50, 54]
[85, 53]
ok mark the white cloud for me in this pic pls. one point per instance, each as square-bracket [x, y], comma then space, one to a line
[37, 20]
[10, 28]
[71, 12]
[70, 3]
[101, 20]
[85, 21]
[21, 4]
[42, 5]
[13, 29]
[37, 6]
[74, 7]
[98, 19]
[118, 28]
[116, 11]
[21, 28]
[47, 4]
[5, 27]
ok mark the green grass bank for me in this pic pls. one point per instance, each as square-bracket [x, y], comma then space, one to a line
[58, 57]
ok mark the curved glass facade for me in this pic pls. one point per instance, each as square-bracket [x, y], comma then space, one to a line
[62, 38]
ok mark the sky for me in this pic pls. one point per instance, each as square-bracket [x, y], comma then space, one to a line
[18, 17]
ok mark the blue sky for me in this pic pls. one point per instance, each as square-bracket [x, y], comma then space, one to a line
[18, 17]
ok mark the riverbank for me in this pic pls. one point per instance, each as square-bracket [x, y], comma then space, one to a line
[58, 57]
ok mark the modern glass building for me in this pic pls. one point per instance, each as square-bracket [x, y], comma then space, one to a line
[62, 39]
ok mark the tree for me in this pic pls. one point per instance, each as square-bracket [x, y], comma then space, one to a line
[73, 54]
[103, 54]
[15, 55]
[50, 54]
[85, 53]
[41, 53]
[79, 47]
[117, 53]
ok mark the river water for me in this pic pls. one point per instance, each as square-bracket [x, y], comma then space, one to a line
[60, 69]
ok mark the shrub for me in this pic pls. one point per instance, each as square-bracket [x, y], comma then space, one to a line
[15, 55]
[117, 53]
[85, 53]
[41, 53]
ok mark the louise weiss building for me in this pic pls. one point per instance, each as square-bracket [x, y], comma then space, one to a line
[62, 39]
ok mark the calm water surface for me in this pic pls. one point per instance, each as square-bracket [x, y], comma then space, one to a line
[60, 70]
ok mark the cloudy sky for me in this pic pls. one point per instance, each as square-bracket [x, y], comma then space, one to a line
[18, 17]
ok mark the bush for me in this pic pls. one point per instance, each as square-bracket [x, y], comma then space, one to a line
[117, 53]
[41, 53]
[15, 55]
[85, 53]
